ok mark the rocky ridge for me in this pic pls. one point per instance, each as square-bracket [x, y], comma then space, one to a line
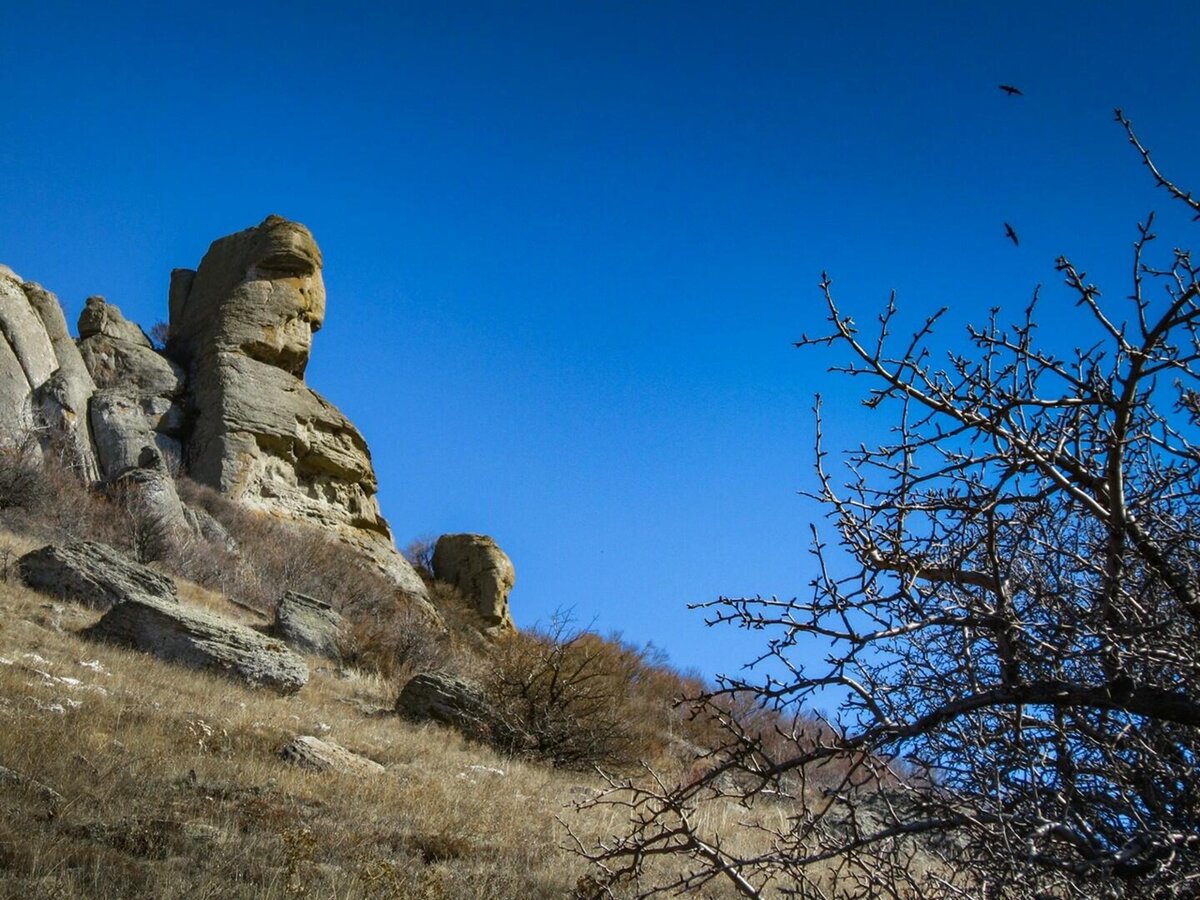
[224, 402]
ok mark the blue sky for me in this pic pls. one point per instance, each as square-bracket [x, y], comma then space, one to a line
[568, 245]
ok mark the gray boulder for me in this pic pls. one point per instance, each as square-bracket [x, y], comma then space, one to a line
[481, 570]
[317, 755]
[309, 625]
[448, 700]
[200, 640]
[94, 574]
[242, 327]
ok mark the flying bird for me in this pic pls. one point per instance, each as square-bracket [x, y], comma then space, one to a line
[1011, 91]
[1012, 235]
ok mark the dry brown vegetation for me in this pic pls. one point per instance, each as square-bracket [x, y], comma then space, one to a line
[123, 776]
[139, 779]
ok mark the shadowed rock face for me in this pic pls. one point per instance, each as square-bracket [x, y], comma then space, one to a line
[242, 327]
[44, 383]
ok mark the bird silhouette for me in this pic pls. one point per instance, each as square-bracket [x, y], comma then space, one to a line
[1012, 235]
[1011, 91]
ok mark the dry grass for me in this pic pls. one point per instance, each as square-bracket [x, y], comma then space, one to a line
[168, 783]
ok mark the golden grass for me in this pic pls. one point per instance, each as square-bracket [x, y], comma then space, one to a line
[170, 784]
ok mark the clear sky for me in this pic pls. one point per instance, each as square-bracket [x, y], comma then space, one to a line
[568, 244]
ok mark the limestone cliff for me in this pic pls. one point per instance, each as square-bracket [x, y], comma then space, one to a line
[241, 327]
[45, 387]
[225, 402]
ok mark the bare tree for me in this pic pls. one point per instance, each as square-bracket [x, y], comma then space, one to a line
[1015, 638]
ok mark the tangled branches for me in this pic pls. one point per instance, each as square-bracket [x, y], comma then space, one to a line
[1013, 620]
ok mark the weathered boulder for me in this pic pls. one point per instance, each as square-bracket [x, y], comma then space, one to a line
[148, 495]
[448, 700]
[309, 625]
[241, 325]
[481, 570]
[325, 756]
[200, 640]
[94, 574]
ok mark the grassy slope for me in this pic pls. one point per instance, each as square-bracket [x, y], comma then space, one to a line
[171, 786]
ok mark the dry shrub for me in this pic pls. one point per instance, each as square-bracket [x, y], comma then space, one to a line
[419, 553]
[22, 485]
[44, 496]
[398, 644]
[573, 698]
[389, 633]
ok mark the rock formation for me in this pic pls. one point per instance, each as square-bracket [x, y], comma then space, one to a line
[241, 325]
[448, 700]
[481, 570]
[225, 402]
[200, 640]
[92, 573]
[44, 385]
[139, 403]
[309, 625]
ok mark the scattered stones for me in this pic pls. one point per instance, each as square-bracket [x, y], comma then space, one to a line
[324, 756]
[486, 770]
[92, 573]
[481, 570]
[310, 625]
[200, 640]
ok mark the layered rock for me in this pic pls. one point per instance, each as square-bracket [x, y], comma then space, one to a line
[476, 565]
[448, 700]
[44, 385]
[317, 755]
[309, 625]
[140, 390]
[92, 573]
[241, 325]
[200, 640]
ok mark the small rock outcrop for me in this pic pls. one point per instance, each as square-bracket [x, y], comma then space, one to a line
[200, 640]
[94, 574]
[309, 625]
[481, 571]
[241, 326]
[325, 756]
[448, 700]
